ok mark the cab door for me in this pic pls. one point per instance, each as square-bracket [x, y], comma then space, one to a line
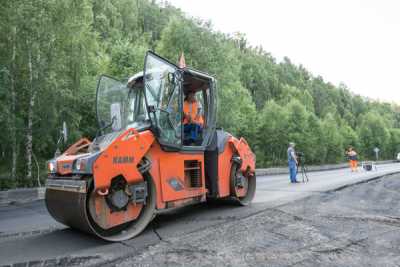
[181, 173]
[163, 97]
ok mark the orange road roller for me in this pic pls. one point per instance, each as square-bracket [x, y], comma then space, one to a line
[157, 148]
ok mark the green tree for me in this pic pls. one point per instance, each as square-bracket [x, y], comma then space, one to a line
[52, 52]
[316, 152]
[272, 135]
[373, 132]
[394, 143]
[332, 140]
[297, 123]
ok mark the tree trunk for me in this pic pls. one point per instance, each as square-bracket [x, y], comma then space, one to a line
[12, 115]
[29, 136]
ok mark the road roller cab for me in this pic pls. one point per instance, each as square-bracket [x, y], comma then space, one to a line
[142, 160]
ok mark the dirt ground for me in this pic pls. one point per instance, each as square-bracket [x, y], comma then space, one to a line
[355, 226]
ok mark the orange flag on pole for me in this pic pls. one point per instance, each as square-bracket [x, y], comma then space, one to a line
[182, 62]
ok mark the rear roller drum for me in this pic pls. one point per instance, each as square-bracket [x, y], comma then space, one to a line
[243, 186]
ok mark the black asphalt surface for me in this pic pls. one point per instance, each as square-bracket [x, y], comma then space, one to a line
[355, 226]
[277, 229]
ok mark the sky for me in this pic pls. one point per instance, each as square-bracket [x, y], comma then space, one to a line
[351, 41]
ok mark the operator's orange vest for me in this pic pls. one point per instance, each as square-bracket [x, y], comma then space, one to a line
[191, 109]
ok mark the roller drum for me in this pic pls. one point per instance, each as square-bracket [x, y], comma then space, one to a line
[68, 208]
[71, 208]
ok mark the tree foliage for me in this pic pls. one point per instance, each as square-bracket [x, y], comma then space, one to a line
[52, 52]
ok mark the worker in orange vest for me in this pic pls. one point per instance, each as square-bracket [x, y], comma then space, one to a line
[192, 120]
[352, 155]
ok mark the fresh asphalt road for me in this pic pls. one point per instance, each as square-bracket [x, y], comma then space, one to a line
[275, 190]
[29, 235]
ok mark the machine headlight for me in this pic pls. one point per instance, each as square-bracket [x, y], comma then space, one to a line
[80, 164]
[51, 166]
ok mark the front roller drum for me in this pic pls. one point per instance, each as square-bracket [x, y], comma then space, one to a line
[71, 208]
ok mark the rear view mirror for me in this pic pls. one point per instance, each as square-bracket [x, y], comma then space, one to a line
[63, 136]
[115, 112]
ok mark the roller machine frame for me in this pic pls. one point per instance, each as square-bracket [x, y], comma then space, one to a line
[138, 165]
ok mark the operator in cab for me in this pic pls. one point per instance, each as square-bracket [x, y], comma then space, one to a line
[193, 121]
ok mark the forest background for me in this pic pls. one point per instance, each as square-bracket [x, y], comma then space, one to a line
[52, 53]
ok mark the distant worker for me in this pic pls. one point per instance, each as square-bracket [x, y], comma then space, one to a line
[292, 161]
[352, 155]
[192, 120]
